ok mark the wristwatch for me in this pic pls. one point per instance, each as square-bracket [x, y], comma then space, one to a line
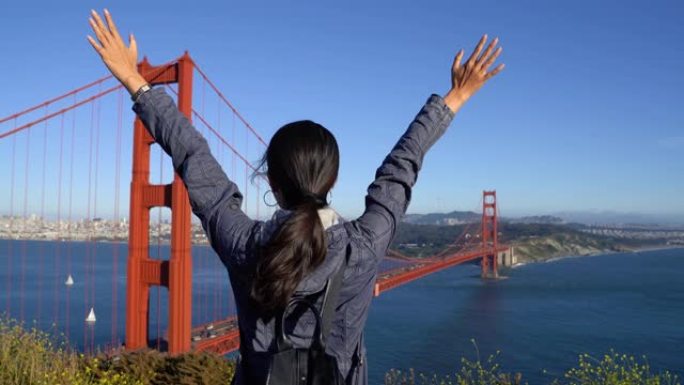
[140, 91]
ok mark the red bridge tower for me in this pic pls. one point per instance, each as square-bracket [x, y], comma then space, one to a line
[490, 237]
[143, 271]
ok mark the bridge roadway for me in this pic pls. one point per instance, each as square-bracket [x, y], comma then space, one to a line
[222, 337]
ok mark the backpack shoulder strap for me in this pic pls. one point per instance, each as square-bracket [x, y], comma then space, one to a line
[324, 316]
[330, 299]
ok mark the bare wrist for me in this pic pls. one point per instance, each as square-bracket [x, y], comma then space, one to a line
[454, 100]
[133, 83]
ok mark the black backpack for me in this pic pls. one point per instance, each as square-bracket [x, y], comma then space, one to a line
[312, 365]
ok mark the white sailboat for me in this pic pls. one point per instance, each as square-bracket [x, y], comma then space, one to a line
[91, 316]
[69, 281]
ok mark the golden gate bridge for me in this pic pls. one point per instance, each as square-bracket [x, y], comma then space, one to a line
[76, 137]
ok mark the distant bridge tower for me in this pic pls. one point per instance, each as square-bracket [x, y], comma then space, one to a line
[143, 271]
[490, 238]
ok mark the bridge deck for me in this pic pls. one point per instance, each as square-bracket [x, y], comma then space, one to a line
[222, 337]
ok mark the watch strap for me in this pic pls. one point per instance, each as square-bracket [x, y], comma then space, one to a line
[144, 88]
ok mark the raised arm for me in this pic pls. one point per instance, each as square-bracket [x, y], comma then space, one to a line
[390, 193]
[213, 197]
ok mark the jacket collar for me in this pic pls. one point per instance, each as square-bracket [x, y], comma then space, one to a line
[329, 217]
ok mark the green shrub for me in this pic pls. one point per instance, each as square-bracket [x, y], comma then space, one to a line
[471, 373]
[615, 369]
[155, 368]
[32, 357]
[612, 369]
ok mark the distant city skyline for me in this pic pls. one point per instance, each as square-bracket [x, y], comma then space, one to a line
[589, 217]
[585, 118]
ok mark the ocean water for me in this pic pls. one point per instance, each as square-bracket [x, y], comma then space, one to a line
[540, 317]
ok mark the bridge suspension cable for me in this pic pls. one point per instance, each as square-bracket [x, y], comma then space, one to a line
[92, 155]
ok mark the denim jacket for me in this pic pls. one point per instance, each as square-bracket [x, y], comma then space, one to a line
[235, 237]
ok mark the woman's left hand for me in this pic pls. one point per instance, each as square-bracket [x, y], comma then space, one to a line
[120, 60]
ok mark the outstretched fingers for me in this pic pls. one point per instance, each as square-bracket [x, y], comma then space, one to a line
[496, 71]
[120, 59]
[488, 63]
[112, 26]
[98, 33]
[472, 60]
[457, 61]
[468, 79]
[483, 59]
[97, 47]
[132, 44]
[100, 29]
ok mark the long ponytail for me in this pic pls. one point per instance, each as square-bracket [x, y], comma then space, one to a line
[302, 160]
[297, 247]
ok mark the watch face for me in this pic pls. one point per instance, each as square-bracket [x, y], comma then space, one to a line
[141, 90]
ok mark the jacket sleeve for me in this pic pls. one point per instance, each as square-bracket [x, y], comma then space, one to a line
[390, 193]
[213, 197]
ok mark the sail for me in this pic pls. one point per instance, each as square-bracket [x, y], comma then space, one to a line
[69, 281]
[91, 315]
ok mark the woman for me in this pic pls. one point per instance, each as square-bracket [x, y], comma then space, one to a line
[295, 253]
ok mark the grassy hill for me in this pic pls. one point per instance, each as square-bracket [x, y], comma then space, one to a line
[532, 241]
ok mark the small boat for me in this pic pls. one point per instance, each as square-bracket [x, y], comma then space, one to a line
[91, 316]
[69, 281]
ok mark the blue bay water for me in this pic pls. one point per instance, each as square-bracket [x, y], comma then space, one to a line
[541, 317]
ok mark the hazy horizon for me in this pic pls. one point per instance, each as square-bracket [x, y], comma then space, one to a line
[580, 216]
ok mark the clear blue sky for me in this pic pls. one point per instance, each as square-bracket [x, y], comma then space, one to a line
[587, 114]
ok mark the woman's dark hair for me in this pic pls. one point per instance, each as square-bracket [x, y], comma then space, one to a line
[301, 163]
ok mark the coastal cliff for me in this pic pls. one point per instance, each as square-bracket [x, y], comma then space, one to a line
[532, 242]
[536, 249]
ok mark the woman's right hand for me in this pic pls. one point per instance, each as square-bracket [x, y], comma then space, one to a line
[466, 79]
[121, 60]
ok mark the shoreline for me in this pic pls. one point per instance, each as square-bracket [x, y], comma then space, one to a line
[598, 254]
[516, 265]
[656, 248]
